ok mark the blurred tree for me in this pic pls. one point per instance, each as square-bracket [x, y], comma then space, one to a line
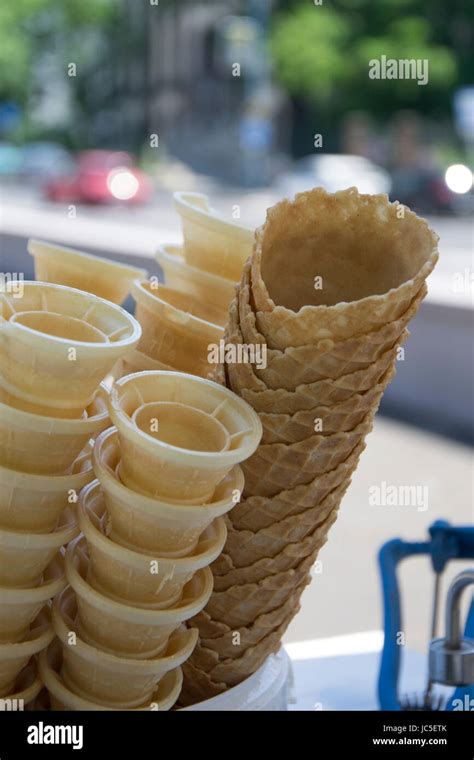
[322, 53]
[31, 27]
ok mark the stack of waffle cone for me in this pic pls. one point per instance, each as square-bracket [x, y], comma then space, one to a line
[140, 569]
[183, 318]
[321, 312]
[57, 345]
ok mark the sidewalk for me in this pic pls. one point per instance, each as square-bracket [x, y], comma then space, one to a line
[346, 596]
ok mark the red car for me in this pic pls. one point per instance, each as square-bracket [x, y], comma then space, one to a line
[102, 176]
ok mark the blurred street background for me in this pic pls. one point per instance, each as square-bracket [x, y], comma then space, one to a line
[108, 106]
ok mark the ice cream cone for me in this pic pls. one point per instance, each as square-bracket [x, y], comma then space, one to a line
[63, 698]
[176, 329]
[212, 243]
[24, 556]
[123, 629]
[355, 292]
[234, 669]
[199, 284]
[258, 512]
[18, 607]
[174, 473]
[341, 417]
[238, 606]
[198, 686]
[106, 677]
[321, 393]
[59, 343]
[244, 569]
[151, 525]
[227, 642]
[281, 466]
[65, 266]
[33, 503]
[278, 518]
[14, 657]
[139, 578]
[28, 685]
[324, 360]
[41, 445]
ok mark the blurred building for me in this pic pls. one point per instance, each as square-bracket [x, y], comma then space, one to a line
[195, 73]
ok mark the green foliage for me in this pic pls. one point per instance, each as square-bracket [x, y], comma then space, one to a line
[27, 26]
[322, 53]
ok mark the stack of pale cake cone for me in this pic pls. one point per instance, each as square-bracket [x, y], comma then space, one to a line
[56, 345]
[183, 318]
[151, 525]
[328, 292]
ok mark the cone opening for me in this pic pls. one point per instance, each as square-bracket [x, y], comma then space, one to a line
[70, 258]
[181, 427]
[59, 326]
[359, 245]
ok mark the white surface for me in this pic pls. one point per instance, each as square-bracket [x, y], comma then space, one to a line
[333, 674]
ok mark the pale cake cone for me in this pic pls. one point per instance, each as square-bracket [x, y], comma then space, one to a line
[146, 524]
[33, 503]
[64, 698]
[340, 238]
[27, 686]
[247, 547]
[104, 676]
[279, 466]
[234, 669]
[327, 420]
[19, 607]
[41, 445]
[24, 556]
[14, 657]
[136, 631]
[204, 286]
[65, 266]
[133, 577]
[59, 343]
[259, 512]
[212, 243]
[174, 473]
[326, 360]
[240, 605]
[288, 559]
[176, 329]
[221, 638]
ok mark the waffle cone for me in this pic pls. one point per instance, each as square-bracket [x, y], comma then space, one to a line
[233, 670]
[288, 559]
[341, 417]
[221, 637]
[358, 294]
[246, 547]
[279, 466]
[239, 606]
[258, 513]
[198, 686]
[310, 363]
